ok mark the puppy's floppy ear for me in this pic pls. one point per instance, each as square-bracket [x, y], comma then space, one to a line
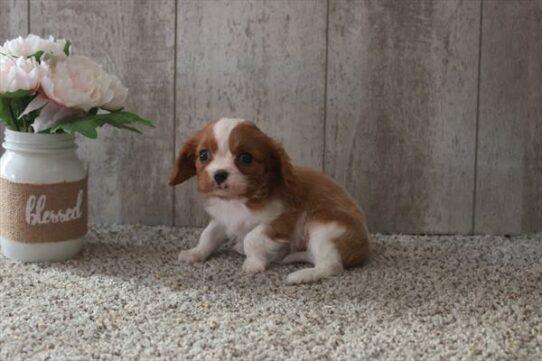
[283, 165]
[185, 164]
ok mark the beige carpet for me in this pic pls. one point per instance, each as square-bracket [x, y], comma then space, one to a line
[126, 297]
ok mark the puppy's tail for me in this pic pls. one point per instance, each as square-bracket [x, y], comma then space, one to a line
[298, 257]
[314, 274]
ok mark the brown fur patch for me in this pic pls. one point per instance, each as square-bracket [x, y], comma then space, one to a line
[321, 200]
[284, 227]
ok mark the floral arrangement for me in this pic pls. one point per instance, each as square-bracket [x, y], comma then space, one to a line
[44, 88]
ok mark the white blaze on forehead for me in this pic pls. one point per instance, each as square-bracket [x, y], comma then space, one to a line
[222, 130]
[223, 159]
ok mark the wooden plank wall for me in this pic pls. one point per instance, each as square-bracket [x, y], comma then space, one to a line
[429, 111]
[401, 119]
[509, 180]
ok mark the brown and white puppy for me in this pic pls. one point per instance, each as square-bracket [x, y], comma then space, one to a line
[274, 210]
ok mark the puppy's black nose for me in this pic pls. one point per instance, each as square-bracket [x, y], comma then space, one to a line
[220, 176]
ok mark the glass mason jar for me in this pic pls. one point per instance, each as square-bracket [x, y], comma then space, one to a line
[43, 197]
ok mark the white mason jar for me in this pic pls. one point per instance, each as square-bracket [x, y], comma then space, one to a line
[43, 198]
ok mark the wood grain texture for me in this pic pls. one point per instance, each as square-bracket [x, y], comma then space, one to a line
[400, 129]
[258, 60]
[13, 19]
[13, 23]
[509, 180]
[134, 39]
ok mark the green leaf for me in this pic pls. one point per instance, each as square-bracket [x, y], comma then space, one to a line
[17, 106]
[85, 126]
[88, 124]
[37, 55]
[120, 118]
[5, 113]
[67, 47]
[18, 94]
[122, 126]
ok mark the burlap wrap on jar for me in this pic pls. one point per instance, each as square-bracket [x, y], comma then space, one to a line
[34, 213]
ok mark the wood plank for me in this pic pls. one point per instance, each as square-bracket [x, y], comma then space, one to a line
[258, 60]
[136, 41]
[13, 22]
[401, 111]
[14, 19]
[509, 180]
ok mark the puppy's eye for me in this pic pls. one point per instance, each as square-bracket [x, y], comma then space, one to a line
[204, 155]
[245, 158]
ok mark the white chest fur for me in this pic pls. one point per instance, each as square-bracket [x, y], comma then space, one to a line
[238, 218]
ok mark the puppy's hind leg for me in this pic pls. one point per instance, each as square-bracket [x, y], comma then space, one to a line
[323, 252]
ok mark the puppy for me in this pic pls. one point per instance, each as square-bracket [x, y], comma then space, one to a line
[274, 210]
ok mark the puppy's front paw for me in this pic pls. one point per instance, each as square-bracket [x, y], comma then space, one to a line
[191, 256]
[253, 265]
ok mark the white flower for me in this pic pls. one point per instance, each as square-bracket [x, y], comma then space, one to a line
[120, 93]
[28, 46]
[19, 74]
[78, 82]
[51, 113]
